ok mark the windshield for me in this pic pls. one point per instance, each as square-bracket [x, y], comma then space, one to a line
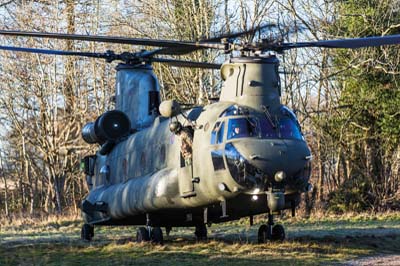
[268, 131]
[242, 128]
[283, 125]
[288, 129]
[235, 110]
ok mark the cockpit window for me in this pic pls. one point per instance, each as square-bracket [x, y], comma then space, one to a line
[274, 126]
[288, 129]
[242, 128]
[287, 112]
[235, 110]
[217, 134]
[268, 131]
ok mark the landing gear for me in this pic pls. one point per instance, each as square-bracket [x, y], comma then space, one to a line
[168, 230]
[87, 232]
[270, 232]
[142, 235]
[278, 233]
[263, 234]
[149, 233]
[201, 232]
[155, 235]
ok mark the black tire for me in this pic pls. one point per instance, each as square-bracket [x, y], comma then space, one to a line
[278, 233]
[201, 232]
[87, 232]
[142, 235]
[91, 231]
[157, 236]
[262, 234]
[168, 230]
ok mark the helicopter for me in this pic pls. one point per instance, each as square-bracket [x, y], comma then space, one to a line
[246, 154]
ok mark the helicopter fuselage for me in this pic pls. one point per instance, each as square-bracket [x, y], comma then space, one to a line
[232, 173]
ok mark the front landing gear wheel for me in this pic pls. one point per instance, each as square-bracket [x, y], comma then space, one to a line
[142, 235]
[201, 232]
[87, 232]
[278, 233]
[266, 234]
[157, 236]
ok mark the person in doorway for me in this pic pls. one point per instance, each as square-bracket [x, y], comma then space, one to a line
[186, 135]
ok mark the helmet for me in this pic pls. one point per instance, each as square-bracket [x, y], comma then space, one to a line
[175, 127]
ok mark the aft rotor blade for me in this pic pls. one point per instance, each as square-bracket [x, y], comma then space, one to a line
[191, 64]
[345, 43]
[92, 38]
[54, 52]
[211, 43]
[240, 33]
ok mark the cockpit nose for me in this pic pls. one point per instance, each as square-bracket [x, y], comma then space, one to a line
[261, 148]
[272, 156]
[255, 162]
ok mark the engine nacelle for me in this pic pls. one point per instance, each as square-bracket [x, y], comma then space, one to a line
[110, 126]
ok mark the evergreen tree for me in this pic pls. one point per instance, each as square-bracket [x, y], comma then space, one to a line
[367, 132]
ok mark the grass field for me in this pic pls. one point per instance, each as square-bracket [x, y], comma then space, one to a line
[323, 241]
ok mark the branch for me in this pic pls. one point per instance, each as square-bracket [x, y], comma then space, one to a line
[6, 3]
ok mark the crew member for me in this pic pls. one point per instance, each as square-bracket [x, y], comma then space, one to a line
[186, 135]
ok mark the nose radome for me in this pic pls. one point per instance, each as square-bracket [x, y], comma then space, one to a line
[272, 156]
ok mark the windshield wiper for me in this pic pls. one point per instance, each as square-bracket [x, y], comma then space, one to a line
[268, 115]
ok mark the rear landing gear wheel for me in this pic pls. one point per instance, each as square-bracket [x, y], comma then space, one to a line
[278, 233]
[201, 232]
[142, 235]
[157, 236]
[263, 234]
[87, 232]
[168, 230]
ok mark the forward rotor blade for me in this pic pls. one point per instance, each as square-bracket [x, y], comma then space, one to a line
[54, 52]
[345, 43]
[105, 39]
[191, 64]
[110, 56]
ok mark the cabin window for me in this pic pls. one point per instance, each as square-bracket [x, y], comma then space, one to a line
[242, 128]
[217, 134]
[105, 173]
[154, 102]
[88, 163]
[143, 163]
[162, 155]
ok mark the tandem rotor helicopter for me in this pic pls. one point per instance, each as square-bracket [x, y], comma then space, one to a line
[158, 166]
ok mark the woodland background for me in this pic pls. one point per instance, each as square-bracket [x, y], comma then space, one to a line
[348, 101]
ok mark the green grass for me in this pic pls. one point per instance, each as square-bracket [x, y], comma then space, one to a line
[324, 241]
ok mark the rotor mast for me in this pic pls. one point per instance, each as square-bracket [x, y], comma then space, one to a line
[252, 81]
